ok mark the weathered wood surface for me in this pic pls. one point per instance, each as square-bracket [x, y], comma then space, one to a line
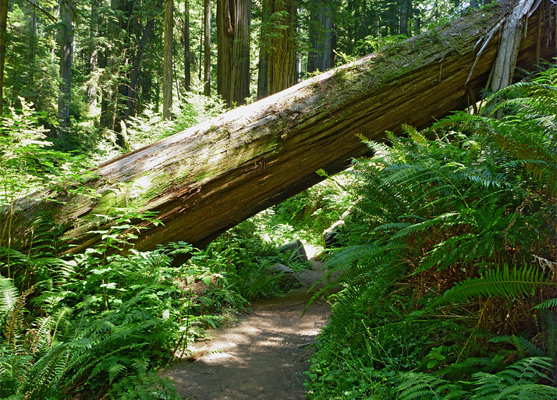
[212, 176]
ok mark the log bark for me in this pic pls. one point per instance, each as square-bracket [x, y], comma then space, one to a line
[210, 177]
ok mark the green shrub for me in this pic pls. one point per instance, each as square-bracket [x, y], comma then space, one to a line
[448, 248]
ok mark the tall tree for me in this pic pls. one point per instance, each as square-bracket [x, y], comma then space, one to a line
[320, 56]
[3, 42]
[281, 44]
[92, 53]
[186, 43]
[167, 74]
[233, 20]
[263, 68]
[405, 14]
[66, 39]
[207, 47]
[132, 88]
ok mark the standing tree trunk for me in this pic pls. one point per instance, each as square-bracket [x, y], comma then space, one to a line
[3, 42]
[233, 20]
[207, 48]
[320, 57]
[92, 53]
[167, 75]
[187, 51]
[131, 105]
[65, 37]
[263, 68]
[282, 46]
[405, 9]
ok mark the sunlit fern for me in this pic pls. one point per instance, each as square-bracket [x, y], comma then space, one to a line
[519, 381]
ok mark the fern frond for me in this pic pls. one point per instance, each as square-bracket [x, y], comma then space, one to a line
[522, 345]
[547, 304]
[529, 391]
[417, 385]
[509, 283]
[518, 381]
[8, 295]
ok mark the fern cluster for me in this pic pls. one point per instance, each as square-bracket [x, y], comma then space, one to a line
[100, 323]
[453, 243]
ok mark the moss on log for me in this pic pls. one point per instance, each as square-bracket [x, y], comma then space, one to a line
[212, 176]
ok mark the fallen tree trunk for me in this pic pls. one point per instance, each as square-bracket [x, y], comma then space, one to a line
[210, 177]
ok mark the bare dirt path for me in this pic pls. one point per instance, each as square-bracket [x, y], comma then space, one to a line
[263, 356]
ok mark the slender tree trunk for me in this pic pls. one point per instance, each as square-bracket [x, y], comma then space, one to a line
[33, 33]
[405, 7]
[282, 49]
[167, 76]
[187, 51]
[3, 43]
[109, 64]
[320, 56]
[207, 48]
[65, 37]
[92, 53]
[131, 106]
[233, 19]
[201, 64]
[263, 68]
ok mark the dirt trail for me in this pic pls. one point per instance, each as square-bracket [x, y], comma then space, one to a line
[262, 356]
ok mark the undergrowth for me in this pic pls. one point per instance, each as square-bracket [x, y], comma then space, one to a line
[449, 267]
[99, 323]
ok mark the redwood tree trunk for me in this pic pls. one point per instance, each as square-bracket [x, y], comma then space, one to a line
[281, 72]
[233, 19]
[320, 57]
[212, 176]
[263, 67]
[207, 48]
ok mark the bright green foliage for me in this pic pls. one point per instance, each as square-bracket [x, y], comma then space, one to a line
[518, 381]
[101, 322]
[24, 161]
[451, 245]
[495, 282]
[96, 320]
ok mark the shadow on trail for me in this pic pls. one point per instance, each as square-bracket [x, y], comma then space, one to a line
[262, 357]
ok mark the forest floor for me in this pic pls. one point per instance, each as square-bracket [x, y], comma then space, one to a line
[263, 355]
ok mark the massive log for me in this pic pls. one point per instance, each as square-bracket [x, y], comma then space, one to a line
[212, 176]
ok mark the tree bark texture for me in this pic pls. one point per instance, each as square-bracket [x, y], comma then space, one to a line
[320, 57]
[3, 42]
[281, 50]
[207, 48]
[167, 73]
[233, 20]
[210, 177]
